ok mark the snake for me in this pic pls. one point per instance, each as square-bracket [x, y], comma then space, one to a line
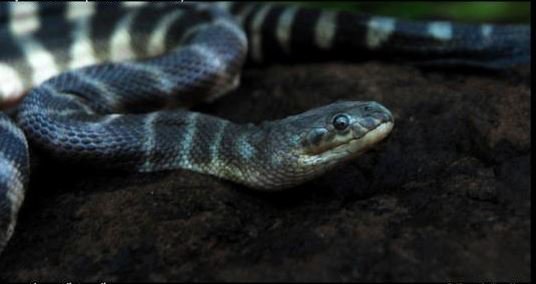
[109, 85]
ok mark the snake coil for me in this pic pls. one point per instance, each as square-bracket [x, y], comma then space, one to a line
[102, 97]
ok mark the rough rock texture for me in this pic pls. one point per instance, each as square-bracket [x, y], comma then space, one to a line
[445, 198]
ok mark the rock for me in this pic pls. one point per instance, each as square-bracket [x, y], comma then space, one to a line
[445, 198]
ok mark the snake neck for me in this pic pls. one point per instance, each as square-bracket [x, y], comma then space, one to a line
[258, 156]
[264, 156]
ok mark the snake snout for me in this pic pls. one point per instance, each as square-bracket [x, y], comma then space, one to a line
[371, 116]
[376, 111]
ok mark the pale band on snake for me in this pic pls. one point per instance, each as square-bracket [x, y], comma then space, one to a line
[100, 84]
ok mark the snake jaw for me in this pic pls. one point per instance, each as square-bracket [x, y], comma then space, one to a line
[351, 149]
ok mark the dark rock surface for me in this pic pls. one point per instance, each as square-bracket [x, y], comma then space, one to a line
[445, 198]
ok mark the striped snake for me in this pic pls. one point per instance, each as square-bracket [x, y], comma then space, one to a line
[102, 82]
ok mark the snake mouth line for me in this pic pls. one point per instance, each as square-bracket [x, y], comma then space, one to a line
[357, 146]
[370, 138]
[353, 148]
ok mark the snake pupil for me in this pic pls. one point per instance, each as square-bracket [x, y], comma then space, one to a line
[341, 122]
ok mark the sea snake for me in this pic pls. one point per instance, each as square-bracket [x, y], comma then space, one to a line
[102, 82]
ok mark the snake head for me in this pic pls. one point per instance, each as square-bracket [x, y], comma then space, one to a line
[306, 145]
[344, 130]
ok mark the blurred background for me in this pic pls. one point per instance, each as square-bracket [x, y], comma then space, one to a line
[490, 11]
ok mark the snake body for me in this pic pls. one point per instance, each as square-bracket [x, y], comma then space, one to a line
[100, 80]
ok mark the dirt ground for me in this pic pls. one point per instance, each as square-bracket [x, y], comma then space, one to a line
[445, 198]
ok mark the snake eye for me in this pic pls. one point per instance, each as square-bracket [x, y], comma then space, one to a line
[341, 121]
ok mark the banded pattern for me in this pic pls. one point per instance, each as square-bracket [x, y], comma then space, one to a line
[287, 33]
[33, 53]
[101, 75]
[14, 172]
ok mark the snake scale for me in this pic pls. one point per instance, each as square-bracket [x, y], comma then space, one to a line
[102, 82]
